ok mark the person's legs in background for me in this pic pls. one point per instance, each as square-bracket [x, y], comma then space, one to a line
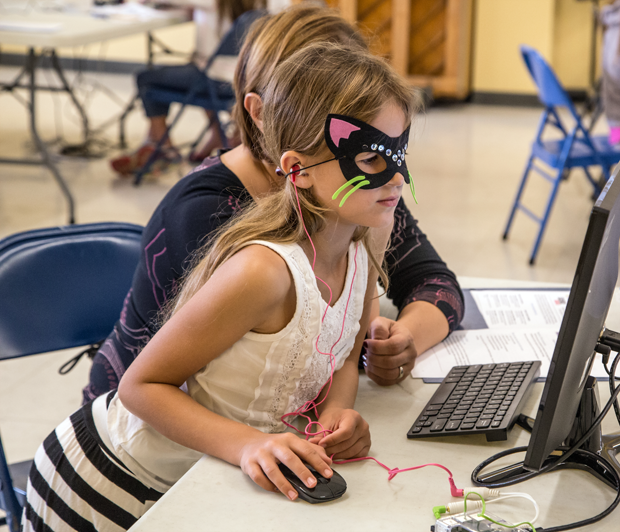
[179, 78]
[214, 139]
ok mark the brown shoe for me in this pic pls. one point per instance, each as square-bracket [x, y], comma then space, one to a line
[127, 164]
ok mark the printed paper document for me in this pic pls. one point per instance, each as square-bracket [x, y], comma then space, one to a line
[520, 325]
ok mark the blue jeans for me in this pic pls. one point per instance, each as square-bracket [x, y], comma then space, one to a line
[176, 78]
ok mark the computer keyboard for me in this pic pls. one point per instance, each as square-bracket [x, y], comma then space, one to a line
[478, 399]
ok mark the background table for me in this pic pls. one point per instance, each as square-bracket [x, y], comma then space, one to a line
[215, 495]
[66, 30]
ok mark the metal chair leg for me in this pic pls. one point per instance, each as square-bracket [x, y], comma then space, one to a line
[545, 218]
[515, 205]
[200, 136]
[121, 122]
[11, 506]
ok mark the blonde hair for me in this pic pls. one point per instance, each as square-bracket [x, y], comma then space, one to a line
[295, 107]
[271, 40]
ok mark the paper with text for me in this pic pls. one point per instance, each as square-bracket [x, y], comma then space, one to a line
[521, 308]
[522, 325]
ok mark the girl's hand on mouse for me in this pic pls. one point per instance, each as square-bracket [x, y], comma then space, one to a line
[260, 459]
[350, 437]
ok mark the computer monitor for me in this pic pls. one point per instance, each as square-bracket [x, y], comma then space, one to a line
[590, 297]
[569, 400]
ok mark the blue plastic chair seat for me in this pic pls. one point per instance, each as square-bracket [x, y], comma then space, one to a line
[580, 153]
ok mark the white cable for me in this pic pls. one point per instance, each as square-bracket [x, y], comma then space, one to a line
[521, 496]
[458, 506]
[485, 493]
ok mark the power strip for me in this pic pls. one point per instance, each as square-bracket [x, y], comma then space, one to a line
[471, 522]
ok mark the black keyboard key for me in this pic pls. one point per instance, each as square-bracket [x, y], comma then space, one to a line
[452, 425]
[438, 425]
[467, 426]
[442, 394]
[482, 423]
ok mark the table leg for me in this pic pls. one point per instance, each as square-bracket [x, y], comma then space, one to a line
[121, 121]
[31, 64]
[47, 160]
[69, 91]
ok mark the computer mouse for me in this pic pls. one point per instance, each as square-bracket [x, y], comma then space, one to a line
[326, 489]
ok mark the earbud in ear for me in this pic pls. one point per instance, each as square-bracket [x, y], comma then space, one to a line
[295, 169]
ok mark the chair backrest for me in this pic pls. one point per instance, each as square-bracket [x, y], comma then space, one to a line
[232, 41]
[550, 90]
[64, 287]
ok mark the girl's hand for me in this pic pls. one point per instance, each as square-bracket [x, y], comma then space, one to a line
[350, 437]
[260, 459]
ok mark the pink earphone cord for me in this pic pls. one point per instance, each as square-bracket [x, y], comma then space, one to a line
[312, 405]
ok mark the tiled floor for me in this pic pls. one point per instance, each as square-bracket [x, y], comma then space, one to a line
[466, 161]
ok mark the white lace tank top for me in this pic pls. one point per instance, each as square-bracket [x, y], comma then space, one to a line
[261, 377]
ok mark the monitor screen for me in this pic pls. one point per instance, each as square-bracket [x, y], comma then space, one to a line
[584, 318]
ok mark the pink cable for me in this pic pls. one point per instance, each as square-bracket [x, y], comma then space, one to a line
[393, 472]
[312, 405]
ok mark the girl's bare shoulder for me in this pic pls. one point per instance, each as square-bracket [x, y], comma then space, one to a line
[264, 270]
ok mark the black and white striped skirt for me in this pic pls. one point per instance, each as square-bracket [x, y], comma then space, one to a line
[77, 483]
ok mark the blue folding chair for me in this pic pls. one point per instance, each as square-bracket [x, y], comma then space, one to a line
[575, 148]
[210, 94]
[59, 288]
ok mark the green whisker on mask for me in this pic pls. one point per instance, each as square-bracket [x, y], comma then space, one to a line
[412, 187]
[349, 182]
[359, 185]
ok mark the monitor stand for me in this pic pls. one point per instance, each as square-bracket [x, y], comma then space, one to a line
[604, 447]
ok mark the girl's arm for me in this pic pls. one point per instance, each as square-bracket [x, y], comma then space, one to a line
[253, 291]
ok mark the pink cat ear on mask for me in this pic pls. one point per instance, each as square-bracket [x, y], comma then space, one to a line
[339, 129]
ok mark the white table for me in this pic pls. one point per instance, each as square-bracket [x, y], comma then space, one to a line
[215, 495]
[58, 30]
